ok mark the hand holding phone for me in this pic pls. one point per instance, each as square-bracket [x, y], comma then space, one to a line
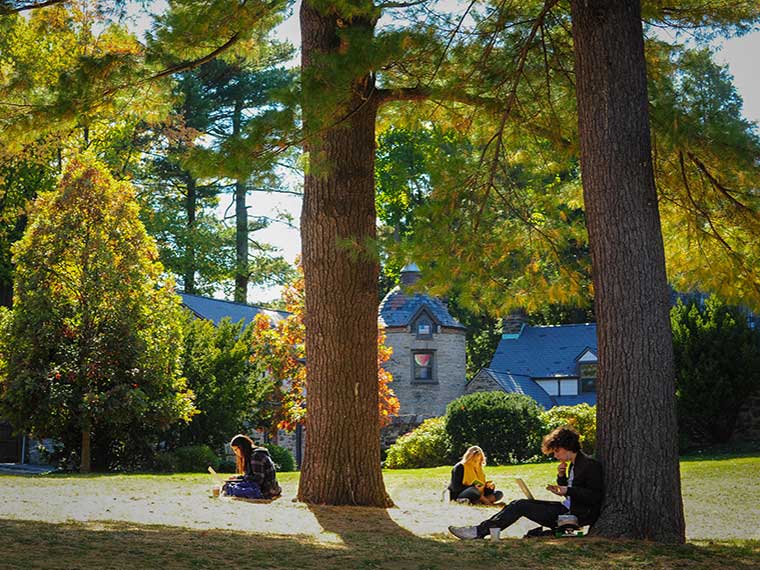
[560, 490]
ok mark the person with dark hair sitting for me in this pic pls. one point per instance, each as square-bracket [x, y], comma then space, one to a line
[581, 485]
[254, 465]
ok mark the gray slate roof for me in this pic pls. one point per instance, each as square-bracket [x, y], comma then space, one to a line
[544, 352]
[584, 398]
[400, 307]
[215, 310]
[521, 385]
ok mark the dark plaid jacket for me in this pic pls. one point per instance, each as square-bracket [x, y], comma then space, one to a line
[261, 471]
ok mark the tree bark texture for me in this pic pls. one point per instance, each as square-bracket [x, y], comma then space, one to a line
[191, 203]
[85, 462]
[637, 435]
[342, 456]
[241, 218]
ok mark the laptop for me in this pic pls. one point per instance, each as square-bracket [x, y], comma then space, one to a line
[217, 478]
[524, 488]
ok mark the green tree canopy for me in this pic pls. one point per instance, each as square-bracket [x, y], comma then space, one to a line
[92, 348]
[717, 359]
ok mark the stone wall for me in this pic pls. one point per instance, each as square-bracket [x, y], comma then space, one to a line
[399, 426]
[483, 382]
[427, 399]
[286, 439]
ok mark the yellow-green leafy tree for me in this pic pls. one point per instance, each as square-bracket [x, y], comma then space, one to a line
[91, 351]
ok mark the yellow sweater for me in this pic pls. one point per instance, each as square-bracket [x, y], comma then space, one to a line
[473, 472]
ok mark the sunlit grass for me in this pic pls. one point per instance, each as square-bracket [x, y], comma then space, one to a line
[170, 521]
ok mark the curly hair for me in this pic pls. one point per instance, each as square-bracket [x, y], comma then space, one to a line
[566, 437]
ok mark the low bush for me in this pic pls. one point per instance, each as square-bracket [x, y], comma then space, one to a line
[227, 466]
[165, 462]
[426, 446]
[507, 426]
[195, 459]
[582, 417]
[282, 458]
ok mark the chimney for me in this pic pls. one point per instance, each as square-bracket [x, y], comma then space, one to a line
[410, 274]
[513, 324]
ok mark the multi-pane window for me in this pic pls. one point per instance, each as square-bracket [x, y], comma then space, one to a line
[423, 366]
[588, 377]
[424, 328]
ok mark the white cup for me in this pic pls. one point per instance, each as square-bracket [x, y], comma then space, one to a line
[495, 533]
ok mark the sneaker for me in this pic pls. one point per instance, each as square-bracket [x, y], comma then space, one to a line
[464, 532]
[463, 501]
[498, 495]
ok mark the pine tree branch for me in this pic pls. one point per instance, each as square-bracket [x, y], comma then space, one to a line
[188, 65]
[8, 7]
[388, 5]
[717, 185]
[699, 209]
[499, 138]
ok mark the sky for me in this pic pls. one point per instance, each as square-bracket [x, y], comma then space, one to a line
[739, 54]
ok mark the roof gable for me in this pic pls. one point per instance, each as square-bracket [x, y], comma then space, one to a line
[399, 308]
[544, 351]
[587, 356]
[520, 385]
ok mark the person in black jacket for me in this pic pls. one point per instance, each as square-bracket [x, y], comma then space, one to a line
[468, 480]
[581, 485]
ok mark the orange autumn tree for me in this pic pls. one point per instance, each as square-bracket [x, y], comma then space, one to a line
[279, 352]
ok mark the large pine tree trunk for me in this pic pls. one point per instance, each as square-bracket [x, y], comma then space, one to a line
[637, 432]
[241, 243]
[241, 219]
[342, 458]
[191, 203]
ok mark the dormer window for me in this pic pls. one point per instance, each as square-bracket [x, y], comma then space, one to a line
[588, 378]
[423, 325]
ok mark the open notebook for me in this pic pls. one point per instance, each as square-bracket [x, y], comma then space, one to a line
[524, 488]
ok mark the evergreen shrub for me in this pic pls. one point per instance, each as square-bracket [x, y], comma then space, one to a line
[194, 459]
[282, 457]
[427, 445]
[717, 361]
[507, 426]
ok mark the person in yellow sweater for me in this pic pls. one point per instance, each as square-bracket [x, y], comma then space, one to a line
[468, 480]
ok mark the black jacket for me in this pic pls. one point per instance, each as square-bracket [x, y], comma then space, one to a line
[587, 492]
[456, 485]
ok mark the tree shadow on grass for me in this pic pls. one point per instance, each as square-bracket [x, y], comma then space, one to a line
[367, 538]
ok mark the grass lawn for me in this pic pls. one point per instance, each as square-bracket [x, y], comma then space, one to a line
[169, 521]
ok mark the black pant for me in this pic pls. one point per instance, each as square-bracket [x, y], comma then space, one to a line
[544, 513]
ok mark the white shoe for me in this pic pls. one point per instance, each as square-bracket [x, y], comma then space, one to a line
[464, 532]
[463, 501]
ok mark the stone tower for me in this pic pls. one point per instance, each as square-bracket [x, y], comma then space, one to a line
[428, 361]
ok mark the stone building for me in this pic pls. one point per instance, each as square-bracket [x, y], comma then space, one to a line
[428, 360]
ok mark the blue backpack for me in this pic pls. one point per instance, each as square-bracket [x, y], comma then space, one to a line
[242, 489]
